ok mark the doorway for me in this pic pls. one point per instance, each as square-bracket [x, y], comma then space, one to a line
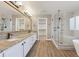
[42, 28]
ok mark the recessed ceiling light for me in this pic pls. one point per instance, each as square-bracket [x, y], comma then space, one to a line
[28, 12]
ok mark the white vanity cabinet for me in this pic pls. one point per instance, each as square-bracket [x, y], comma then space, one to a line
[26, 46]
[11, 52]
[34, 38]
[14, 51]
[20, 49]
[28, 43]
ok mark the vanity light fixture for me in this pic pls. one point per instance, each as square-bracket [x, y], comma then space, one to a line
[16, 3]
[27, 12]
[19, 3]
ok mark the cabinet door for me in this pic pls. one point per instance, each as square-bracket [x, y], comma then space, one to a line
[1, 54]
[26, 46]
[33, 38]
[11, 52]
[20, 50]
[29, 42]
[14, 51]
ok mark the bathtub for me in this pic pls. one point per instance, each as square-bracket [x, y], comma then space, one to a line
[68, 40]
[76, 45]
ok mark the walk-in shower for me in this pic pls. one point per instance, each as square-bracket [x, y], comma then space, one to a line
[60, 39]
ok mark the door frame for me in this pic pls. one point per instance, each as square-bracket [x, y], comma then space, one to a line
[38, 27]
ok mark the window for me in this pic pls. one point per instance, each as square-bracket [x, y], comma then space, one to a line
[77, 22]
[20, 24]
[74, 23]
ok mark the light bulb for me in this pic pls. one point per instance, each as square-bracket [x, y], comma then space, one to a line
[19, 3]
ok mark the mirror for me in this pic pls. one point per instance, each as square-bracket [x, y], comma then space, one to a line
[22, 24]
[11, 20]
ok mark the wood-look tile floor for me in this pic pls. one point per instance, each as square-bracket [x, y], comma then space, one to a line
[47, 49]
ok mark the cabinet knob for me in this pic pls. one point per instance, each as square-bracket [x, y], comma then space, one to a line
[22, 43]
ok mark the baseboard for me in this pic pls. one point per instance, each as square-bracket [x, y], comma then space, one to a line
[64, 47]
[55, 43]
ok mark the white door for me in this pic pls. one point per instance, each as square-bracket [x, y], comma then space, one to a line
[42, 28]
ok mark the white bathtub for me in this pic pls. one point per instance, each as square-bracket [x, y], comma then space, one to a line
[76, 45]
[68, 40]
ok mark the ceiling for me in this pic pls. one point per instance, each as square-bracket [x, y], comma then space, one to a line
[42, 7]
[50, 7]
[7, 10]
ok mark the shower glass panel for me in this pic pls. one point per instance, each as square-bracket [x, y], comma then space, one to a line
[57, 29]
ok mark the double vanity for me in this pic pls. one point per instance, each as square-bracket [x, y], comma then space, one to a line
[18, 46]
[16, 38]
